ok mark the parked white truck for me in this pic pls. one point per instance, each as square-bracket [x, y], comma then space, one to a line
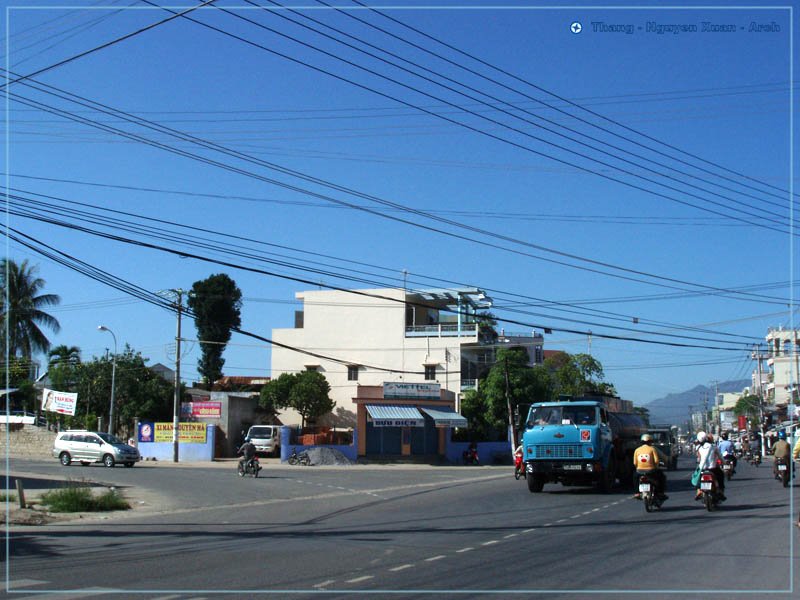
[266, 439]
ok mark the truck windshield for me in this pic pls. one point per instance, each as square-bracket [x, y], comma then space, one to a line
[564, 415]
[260, 432]
[659, 437]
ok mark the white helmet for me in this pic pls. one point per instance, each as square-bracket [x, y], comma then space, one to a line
[701, 437]
[647, 437]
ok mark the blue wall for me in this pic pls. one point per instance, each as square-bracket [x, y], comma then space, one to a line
[186, 452]
[350, 451]
[486, 451]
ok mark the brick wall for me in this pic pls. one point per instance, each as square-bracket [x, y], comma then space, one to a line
[26, 441]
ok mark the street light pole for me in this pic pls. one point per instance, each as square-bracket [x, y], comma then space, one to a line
[113, 379]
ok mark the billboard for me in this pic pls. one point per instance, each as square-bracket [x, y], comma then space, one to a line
[62, 403]
[201, 410]
[188, 433]
[420, 391]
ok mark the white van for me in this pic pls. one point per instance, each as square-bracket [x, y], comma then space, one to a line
[266, 438]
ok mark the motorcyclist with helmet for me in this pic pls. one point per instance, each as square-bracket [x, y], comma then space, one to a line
[727, 450]
[708, 458]
[646, 459]
[780, 449]
[248, 451]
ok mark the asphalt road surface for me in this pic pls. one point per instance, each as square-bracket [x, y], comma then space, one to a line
[416, 532]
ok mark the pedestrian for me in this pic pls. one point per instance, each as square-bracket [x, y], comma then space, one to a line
[796, 456]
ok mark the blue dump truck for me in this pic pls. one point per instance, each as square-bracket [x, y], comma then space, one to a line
[581, 441]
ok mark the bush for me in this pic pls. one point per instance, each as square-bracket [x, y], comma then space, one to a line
[75, 498]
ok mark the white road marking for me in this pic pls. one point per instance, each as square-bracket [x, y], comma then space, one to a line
[21, 583]
[324, 583]
[437, 557]
[467, 549]
[67, 595]
[358, 579]
[170, 597]
[605, 506]
[560, 520]
[510, 535]
[402, 567]
[533, 529]
[489, 543]
[575, 517]
[595, 509]
[588, 512]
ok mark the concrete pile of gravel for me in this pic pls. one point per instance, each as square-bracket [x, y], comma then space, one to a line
[327, 456]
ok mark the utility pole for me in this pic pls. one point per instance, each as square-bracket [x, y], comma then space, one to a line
[757, 355]
[510, 415]
[716, 406]
[176, 403]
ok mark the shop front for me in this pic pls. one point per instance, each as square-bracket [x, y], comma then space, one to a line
[405, 420]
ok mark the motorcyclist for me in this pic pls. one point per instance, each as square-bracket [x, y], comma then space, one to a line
[726, 449]
[781, 449]
[707, 457]
[646, 459]
[248, 451]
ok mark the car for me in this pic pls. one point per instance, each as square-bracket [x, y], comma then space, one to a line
[664, 440]
[266, 439]
[93, 446]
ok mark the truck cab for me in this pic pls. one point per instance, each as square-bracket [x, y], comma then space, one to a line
[666, 441]
[266, 439]
[567, 442]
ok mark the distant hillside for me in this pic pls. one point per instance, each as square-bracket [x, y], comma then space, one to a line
[674, 408]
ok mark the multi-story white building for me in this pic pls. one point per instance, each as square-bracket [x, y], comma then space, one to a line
[784, 365]
[370, 337]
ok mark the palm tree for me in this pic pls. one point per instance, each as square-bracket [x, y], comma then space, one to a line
[64, 355]
[21, 309]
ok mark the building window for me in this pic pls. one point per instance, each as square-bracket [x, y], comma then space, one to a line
[352, 373]
[430, 372]
[311, 367]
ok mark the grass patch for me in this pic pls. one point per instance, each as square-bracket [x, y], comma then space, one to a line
[81, 499]
[8, 498]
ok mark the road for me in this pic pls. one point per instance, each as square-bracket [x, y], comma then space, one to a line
[411, 532]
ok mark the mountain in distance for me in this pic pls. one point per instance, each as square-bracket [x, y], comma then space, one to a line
[674, 408]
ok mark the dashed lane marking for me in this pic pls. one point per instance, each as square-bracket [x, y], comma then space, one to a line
[402, 567]
[588, 512]
[467, 549]
[560, 520]
[534, 528]
[437, 557]
[575, 517]
[322, 584]
[68, 594]
[360, 579]
[490, 542]
[510, 535]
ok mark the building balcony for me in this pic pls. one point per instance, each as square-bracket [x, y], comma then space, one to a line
[442, 330]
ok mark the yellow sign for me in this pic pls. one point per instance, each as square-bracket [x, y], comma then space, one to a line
[188, 433]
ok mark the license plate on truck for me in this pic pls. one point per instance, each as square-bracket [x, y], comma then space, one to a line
[644, 487]
[572, 467]
[781, 467]
[705, 485]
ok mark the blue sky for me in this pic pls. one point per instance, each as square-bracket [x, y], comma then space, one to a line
[642, 230]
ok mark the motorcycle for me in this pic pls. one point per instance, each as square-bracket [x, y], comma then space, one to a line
[708, 487]
[470, 456]
[299, 459]
[647, 493]
[755, 459]
[728, 468]
[250, 467]
[784, 471]
[519, 465]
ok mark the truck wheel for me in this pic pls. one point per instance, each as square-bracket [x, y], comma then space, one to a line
[535, 483]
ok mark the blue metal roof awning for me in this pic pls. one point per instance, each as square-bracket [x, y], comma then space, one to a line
[395, 416]
[445, 417]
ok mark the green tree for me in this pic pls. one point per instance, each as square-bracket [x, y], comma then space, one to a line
[644, 413]
[306, 392]
[139, 392]
[62, 364]
[577, 375]
[750, 407]
[216, 303]
[23, 315]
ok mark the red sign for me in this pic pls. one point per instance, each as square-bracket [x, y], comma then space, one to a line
[742, 423]
[199, 410]
[586, 435]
